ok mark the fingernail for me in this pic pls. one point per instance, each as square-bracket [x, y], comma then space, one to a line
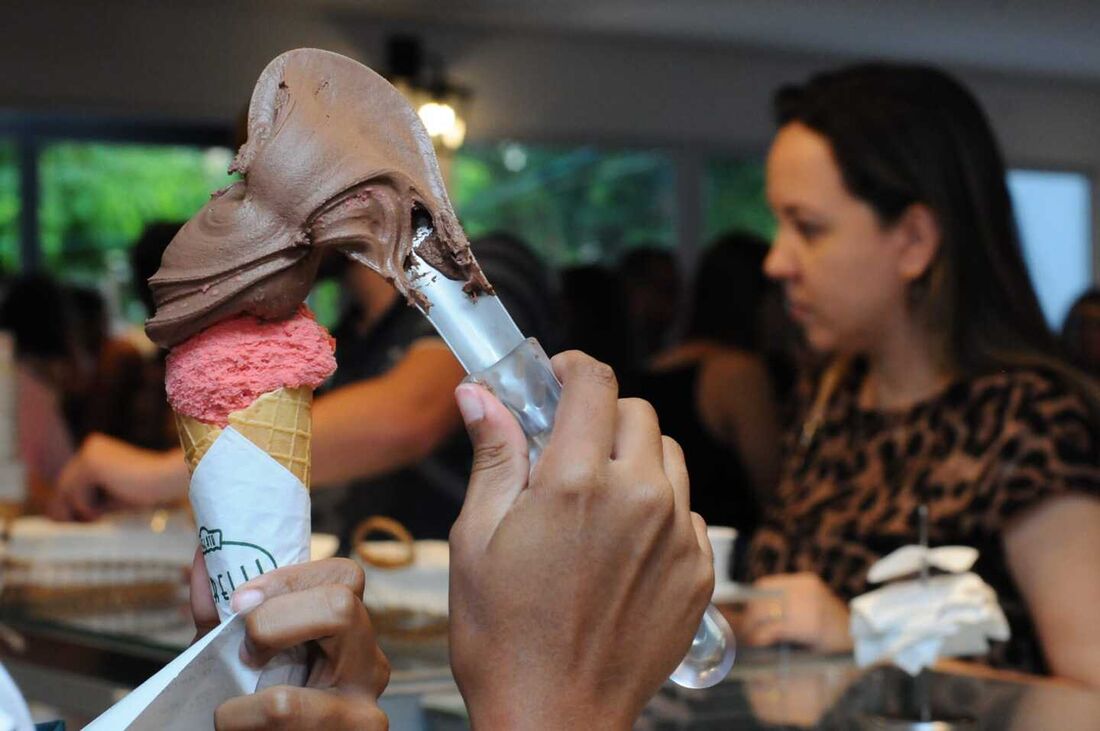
[469, 404]
[246, 599]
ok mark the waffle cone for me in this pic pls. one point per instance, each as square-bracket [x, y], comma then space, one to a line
[277, 422]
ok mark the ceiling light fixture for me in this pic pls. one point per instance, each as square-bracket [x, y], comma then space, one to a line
[440, 103]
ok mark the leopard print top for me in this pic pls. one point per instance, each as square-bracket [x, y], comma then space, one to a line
[980, 454]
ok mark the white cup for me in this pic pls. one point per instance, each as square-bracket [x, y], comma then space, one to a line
[721, 541]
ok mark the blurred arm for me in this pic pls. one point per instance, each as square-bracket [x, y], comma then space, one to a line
[381, 424]
[738, 407]
[359, 431]
[128, 476]
[1052, 552]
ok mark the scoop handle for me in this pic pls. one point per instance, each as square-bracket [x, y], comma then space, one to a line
[525, 383]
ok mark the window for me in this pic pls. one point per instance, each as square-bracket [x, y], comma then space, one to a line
[9, 206]
[1053, 213]
[733, 200]
[97, 197]
[572, 205]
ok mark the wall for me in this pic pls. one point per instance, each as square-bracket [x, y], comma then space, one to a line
[199, 62]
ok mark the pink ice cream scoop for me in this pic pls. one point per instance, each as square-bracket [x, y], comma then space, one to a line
[226, 367]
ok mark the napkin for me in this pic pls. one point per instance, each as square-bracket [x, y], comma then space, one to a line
[910, 559]
[912, 623]
[14, 714]
[252, 516]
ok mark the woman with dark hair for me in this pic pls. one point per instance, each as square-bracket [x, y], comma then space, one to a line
[713, 392]
[899, 258]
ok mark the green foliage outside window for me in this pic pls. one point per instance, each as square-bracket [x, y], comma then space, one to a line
[326, 302]
[572, 205]
[97, 197]
[734, 199]
[9, 207]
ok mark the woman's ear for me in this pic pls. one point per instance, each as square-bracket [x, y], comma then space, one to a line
[919, 238]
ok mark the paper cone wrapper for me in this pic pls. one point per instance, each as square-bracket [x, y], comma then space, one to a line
[249, 489]
[251, 502]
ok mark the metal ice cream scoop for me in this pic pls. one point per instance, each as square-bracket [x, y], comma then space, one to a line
[485, 340]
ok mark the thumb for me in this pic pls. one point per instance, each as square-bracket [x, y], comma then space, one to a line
[500, 466]
[203, 610]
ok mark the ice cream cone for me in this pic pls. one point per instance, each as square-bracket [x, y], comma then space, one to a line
[278, 422]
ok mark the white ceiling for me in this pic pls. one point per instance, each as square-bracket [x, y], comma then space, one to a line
[1053, 37]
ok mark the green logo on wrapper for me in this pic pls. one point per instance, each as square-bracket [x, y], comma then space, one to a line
[236, 562]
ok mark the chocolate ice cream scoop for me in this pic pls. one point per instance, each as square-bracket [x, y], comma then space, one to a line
[335, 158]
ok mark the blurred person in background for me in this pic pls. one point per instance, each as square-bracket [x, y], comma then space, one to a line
[411, 460]
[595, 318]
[899, 256]
[386, 435]
[91, 333]
[36, 312]
[150, 408]
[713, 392]
[110, 376]
[117, 385]
[650, 282]
[385, 430]
[1081, 333]
[120, 409]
